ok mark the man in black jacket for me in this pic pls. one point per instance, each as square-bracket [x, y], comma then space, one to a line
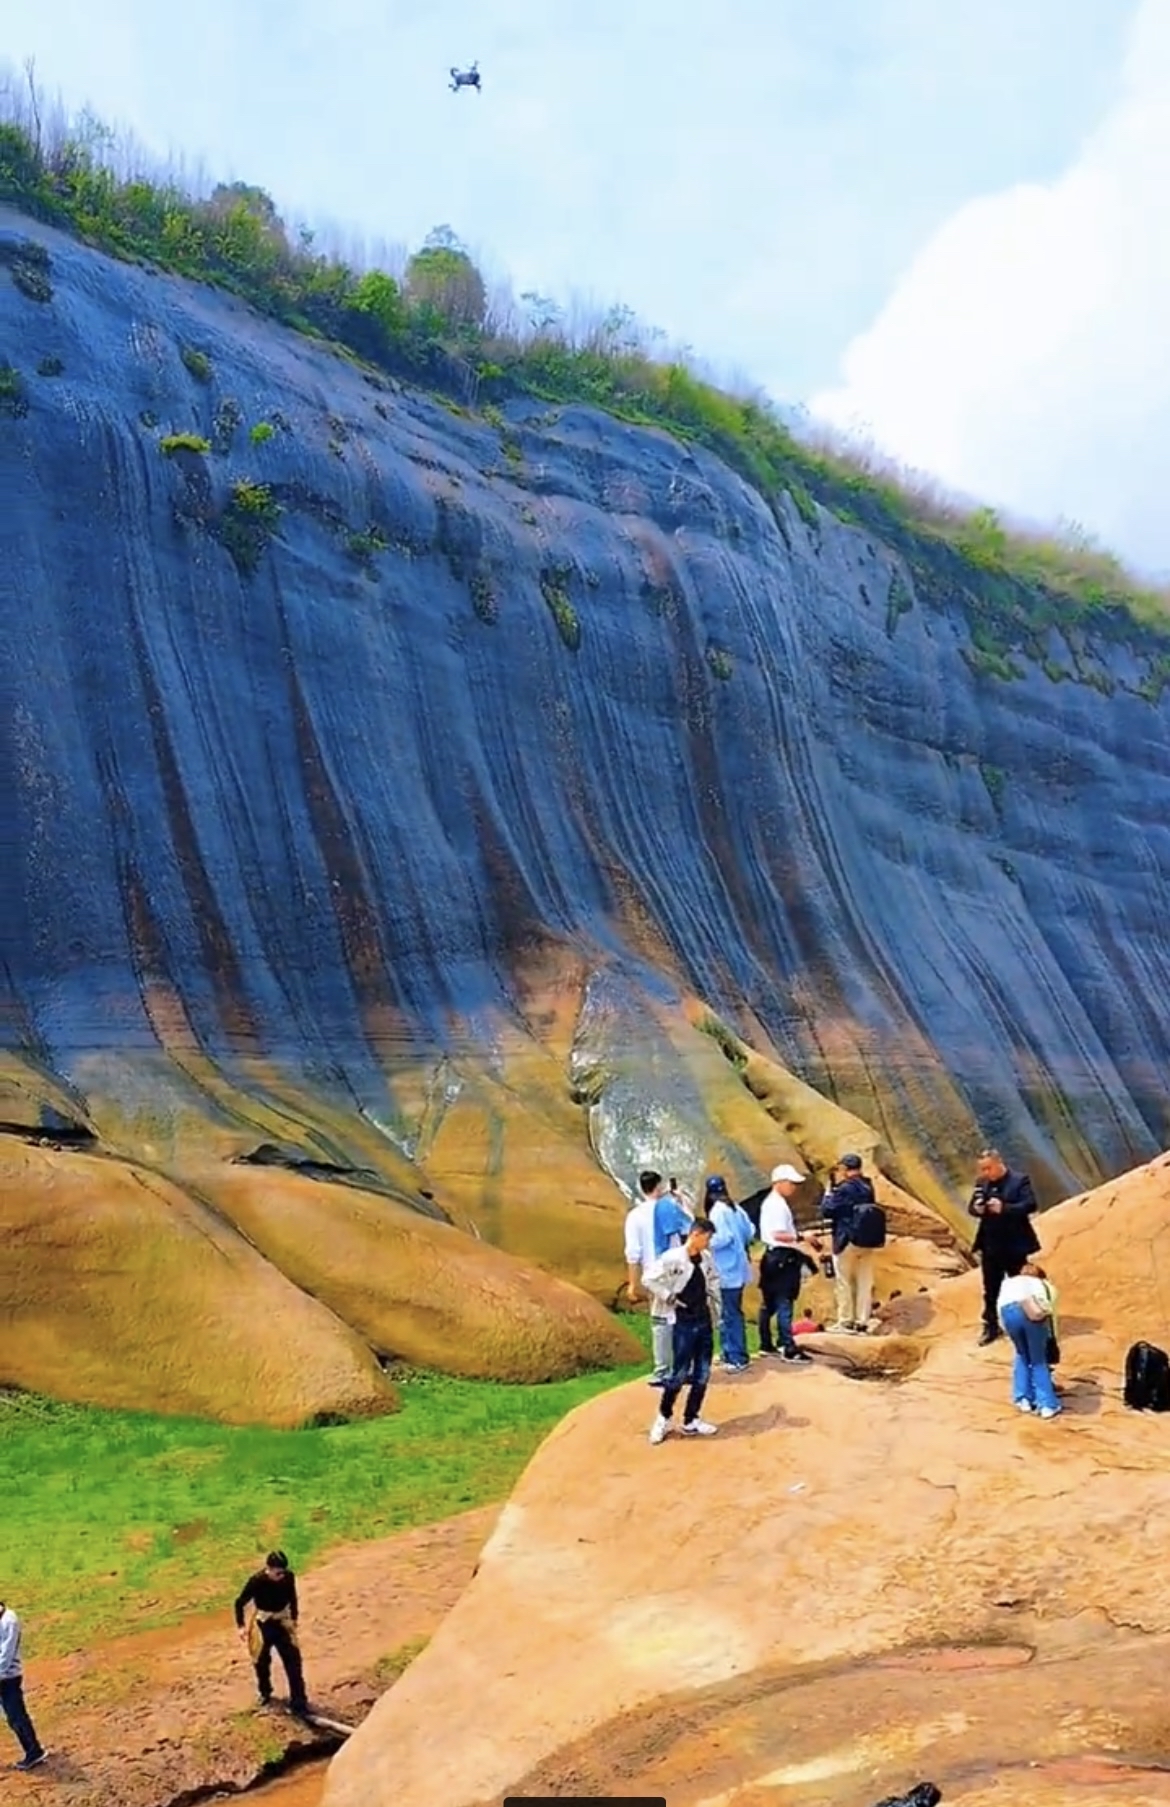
[272, 1594]
[1003, 1202]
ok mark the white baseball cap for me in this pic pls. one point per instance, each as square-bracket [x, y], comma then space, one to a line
[788, 1173]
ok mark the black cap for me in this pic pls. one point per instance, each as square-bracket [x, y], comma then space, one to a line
[852, 1161]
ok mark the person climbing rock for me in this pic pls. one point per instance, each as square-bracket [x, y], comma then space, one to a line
[272, 1594]
[1027, 1312]
[734, 1235]
[12, 1692]
[1003, 1202]
[686, 1285]
[848, 1208]
[656, 1223]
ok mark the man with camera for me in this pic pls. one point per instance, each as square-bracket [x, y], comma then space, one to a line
[1003, 1202]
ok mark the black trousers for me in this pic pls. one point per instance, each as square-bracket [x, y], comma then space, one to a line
[998, 1265]
[275, 1636]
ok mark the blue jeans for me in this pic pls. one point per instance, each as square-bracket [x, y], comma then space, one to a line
[16, 1713]
[732, 1329]
[781, 1310]
[694, 1350]
[1031, 1376]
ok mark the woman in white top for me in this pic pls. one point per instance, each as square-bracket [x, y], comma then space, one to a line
[1027, 1304]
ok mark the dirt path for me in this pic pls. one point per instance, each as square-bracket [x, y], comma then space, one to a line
[149, 1718]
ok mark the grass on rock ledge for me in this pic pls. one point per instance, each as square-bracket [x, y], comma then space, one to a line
[114, 1522]
[436, 326]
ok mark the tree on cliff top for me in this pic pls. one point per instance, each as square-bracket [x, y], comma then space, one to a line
[442, 277]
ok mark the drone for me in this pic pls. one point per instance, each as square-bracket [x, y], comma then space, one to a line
[466, 78]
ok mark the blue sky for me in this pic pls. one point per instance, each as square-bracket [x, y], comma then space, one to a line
[763, 189]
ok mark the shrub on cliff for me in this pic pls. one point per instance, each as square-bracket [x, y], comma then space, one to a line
[437, 329]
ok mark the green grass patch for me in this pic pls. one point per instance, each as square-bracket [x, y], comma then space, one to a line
[112, 1522]
[13, 394]
[198, 363]
[181, 442]
[248, 523]
[554, 589]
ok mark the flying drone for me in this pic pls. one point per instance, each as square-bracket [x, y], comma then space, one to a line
[466, 78]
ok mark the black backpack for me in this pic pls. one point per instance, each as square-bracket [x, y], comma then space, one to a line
[868, 1230]
[1147, 1378]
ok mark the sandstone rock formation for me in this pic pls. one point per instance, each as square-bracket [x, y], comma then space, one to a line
[475, 827]
[856, 1582]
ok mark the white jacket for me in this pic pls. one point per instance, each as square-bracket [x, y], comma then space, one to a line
[667, 1276]
[9, 1645]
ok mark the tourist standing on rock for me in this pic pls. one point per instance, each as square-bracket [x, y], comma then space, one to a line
[734, 1235]
[777, 1223]
[1027, 1311]
[656, 1223]
[782, 1270]
[1003, 1202]
[272, 1594]
[12, 1692]
[859, 1229]
[686, 1285]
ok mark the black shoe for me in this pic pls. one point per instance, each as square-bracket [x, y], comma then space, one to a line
[299, 1710]
[988, 1336]
[33, 1762]
[797, 1355]
[265, 1700]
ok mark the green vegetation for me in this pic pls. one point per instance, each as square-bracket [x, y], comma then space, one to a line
[197, 362]
[228, 417]
[553, 587]
[899, 602]
[248, 523]
[721, 663]
[437, 329]
[13, 395]
[391, 1667]
[996, 780]
[179, 442]
[729, 1045]
[365, 546]
[50, 367]
[29, 265]
[114, 1521]
[262, 432]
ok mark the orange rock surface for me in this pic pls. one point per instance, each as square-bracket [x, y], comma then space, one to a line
[663, 1618]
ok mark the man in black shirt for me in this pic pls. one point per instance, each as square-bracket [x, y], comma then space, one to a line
[272, 1594]
[1003, 1202]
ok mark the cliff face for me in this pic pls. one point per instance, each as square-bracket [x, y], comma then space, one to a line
[403, 786]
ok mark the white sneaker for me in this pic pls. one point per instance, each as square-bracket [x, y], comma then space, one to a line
[698, 1427]
[1023, 1405]
[659, 1429]
[1049, 1411]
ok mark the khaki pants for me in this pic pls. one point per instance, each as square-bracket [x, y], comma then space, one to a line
[854, 1285]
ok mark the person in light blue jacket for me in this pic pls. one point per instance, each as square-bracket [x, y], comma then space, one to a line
[734, 1234]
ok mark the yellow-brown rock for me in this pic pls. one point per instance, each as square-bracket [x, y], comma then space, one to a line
[852, 1585]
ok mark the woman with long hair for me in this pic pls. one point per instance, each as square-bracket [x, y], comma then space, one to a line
[734, 1233]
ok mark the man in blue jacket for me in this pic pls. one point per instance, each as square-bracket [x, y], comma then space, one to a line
[854, 1265]
[1003, 1202]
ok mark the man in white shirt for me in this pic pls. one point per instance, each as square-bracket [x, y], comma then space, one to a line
[777, 1223]
[12, 1691]
[654, 1225]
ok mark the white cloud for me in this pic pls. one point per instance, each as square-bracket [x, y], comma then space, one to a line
[1022, 356]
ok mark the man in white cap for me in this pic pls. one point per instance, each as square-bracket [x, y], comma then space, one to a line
[781, 1263]
[777, 1223]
